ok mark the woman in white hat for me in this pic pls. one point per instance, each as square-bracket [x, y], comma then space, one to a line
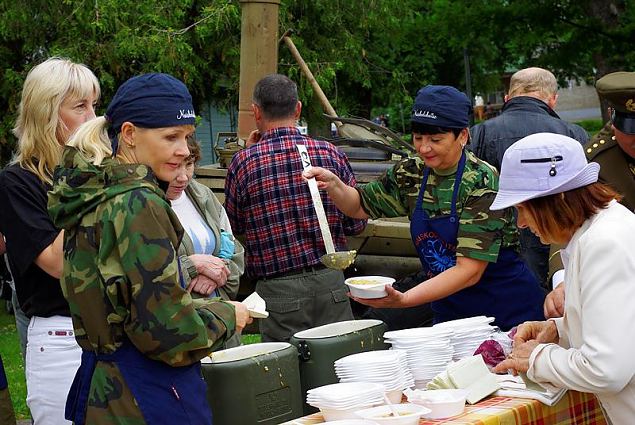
[547, 178]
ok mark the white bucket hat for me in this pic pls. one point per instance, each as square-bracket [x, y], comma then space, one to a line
[542, 164]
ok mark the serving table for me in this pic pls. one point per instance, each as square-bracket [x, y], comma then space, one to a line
[574, 408]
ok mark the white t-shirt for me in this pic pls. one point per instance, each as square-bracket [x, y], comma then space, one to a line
[197, 229]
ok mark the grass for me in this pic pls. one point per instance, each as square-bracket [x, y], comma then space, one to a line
[251, 339]
[14, 365]
[591, 126]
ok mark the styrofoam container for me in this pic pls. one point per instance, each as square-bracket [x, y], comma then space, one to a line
[442, 403]
[409, 414]
[340, 414]
[376, 289]
[352, 422]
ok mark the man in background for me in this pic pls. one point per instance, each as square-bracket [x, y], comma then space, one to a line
[528, 109]
[267, 200]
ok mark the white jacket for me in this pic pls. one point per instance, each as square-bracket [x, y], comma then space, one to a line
[596, 352]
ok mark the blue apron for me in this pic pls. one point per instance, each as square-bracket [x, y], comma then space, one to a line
[507, 290]
[164, 394]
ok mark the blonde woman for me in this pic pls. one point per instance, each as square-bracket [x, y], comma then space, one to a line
[58, 95]
[141, 333]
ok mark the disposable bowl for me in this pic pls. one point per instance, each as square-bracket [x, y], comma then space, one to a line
[409, 414]
[442, 403]
[340, 414]
[369, 286]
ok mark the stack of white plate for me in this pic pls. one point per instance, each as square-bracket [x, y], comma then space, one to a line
[428, 351]
[340, 401]
[387, 367]
[468, 334]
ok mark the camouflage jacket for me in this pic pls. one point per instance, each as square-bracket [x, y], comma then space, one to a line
[121, 277]
[481, 232]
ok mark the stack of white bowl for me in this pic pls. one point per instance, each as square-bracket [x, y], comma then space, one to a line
[428, 351]
[468, 334]
[341, 401]
[386, 367]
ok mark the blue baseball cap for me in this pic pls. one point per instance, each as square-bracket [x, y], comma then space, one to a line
[441, 106]
[150, 101]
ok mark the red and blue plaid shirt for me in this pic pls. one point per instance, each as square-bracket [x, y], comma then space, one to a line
[269, 202]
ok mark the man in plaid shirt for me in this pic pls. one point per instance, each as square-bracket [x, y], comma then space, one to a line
[269, 202]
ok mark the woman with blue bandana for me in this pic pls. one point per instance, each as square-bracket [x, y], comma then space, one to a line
[214, 259]
[142, 336]
[469, 254]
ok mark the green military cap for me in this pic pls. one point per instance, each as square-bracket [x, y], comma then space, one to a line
[618, 88]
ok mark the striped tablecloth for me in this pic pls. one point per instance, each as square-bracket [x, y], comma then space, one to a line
[574, 408]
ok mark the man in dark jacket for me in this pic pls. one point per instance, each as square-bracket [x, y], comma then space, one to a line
[528, 110]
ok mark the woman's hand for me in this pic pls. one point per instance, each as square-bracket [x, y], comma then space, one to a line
[242, 315]
[211, 267]
[393, 299]
[554, 302]
[202, 285]
[543, 332]
[518, 360]
[326, 179]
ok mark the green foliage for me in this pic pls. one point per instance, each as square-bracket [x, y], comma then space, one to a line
[365, 53]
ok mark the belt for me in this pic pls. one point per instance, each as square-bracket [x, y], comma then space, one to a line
[303, 271]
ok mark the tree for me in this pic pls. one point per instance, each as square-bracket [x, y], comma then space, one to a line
[364, 53]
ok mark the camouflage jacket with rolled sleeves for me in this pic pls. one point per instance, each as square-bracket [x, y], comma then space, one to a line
[481, 232]
[121, 277]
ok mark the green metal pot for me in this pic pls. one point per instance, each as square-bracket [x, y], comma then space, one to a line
[320, 347]
[254, 384]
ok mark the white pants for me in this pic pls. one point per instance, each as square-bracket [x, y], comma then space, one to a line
[52, 358]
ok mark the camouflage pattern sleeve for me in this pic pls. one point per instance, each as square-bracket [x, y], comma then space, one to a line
[482, 233]
[394, 194]
[161, 320]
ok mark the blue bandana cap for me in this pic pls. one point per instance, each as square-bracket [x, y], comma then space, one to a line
[149, 101]
[441, 106]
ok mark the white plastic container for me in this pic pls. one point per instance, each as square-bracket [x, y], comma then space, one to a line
[340, 414]
[369, 286]
[442, 403]
[409, 414]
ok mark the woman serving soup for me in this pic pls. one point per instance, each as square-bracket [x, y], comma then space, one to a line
[469, 254]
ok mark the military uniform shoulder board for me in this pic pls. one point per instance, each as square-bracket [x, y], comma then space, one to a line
[600, 142]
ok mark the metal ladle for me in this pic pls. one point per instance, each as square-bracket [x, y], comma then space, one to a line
[332, 259]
